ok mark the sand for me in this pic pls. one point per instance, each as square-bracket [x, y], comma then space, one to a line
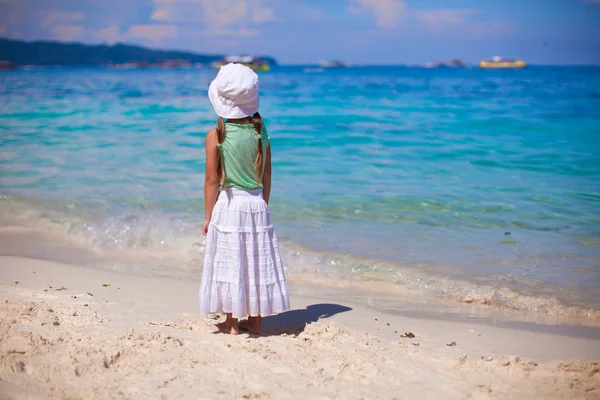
[80, 333]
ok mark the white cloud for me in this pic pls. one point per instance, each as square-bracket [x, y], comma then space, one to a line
[387, 12]
[152, 33]
[437, 19]
[162, 14]
[109, 35]
[218, 17]
[62, 18]
[261, 15]
[240, 32]
[177, 10]
[2, 29]
[67, 33]
[221, 14]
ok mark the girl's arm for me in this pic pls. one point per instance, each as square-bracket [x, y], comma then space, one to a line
[211, 178]
[267, 176]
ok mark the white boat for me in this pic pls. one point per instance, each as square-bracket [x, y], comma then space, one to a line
[332, 64]
[254, 63]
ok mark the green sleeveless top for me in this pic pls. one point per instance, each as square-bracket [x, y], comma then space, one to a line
[239, 154]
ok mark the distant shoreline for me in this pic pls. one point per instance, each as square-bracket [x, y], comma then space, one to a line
[30, 67]
[47, 53]
[44, 53]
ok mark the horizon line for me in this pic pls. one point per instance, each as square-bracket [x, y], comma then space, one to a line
[348, 65]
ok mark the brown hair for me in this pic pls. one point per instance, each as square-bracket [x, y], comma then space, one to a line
[258, 162]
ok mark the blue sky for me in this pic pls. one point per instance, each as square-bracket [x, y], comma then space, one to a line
[306, 31]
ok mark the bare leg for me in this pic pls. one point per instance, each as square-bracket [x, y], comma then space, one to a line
[230, 325]
[254, 325]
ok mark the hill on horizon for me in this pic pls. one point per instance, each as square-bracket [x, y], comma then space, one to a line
[20, 52]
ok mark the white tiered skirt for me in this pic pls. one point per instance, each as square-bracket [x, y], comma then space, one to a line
[243, 273]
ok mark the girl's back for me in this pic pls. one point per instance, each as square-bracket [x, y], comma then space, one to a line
[239, 150]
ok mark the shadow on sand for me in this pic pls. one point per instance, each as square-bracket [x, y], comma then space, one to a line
[293, 322]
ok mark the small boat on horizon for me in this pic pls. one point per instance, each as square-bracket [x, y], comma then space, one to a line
[332, 64]
[7, 66]
[498, 63]
[254, 63]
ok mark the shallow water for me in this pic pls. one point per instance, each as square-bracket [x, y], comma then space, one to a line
[461, 183]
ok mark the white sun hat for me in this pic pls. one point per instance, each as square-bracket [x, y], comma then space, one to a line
[234, 92]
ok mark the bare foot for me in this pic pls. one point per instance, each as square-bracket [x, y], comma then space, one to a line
[230, 326]
[254, 324]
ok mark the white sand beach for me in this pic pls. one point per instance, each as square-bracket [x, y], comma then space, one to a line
[81, 333]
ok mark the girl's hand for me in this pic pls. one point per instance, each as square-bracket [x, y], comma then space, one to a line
[205, 227]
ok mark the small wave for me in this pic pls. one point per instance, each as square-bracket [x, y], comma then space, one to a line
[153, 243]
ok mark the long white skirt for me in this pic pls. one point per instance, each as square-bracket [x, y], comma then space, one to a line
[243, 273]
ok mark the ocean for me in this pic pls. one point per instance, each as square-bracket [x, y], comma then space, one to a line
[464, 184]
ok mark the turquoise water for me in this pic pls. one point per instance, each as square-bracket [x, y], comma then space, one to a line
[490, 178]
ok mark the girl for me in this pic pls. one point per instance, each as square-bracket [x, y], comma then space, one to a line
[243, 274]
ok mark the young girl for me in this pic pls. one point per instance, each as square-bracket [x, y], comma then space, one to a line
[243, 274]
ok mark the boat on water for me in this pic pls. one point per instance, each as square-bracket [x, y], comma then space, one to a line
[7, 66]
[498, 63]
[130, 65]
[332, 64]
[254, 63]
